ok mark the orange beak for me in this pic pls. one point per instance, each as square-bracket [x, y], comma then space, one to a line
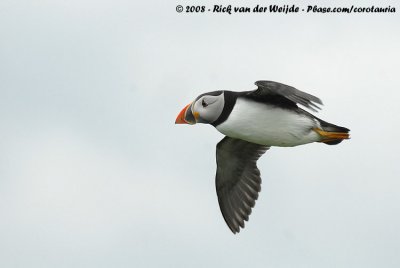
[186, 116]
[180, 119]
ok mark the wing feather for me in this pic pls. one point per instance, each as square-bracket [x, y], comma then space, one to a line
[273, 89]
[238, 180]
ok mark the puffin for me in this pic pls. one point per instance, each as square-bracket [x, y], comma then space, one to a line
[252, 122]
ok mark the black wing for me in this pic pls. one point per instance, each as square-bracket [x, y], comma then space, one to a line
[276, 90]
[238, 180]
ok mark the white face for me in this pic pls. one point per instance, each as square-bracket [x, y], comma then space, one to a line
[208, 108]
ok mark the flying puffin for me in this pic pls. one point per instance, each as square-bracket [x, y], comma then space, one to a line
[252, 122]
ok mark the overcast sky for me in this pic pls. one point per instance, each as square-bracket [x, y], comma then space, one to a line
[94, 173]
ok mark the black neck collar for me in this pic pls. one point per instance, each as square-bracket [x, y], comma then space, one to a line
[230, 100]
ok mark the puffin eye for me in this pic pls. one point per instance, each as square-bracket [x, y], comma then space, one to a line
[204, 104]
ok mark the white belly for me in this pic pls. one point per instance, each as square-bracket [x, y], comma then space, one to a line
[268, 125]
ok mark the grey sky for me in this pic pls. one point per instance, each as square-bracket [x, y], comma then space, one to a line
[94, 173]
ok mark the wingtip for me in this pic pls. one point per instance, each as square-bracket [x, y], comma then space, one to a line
[235, 231]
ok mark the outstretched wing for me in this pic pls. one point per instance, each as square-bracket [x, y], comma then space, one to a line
[274, 89]
[238, 180]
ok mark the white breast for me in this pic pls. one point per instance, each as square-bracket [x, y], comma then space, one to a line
[268, 125]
